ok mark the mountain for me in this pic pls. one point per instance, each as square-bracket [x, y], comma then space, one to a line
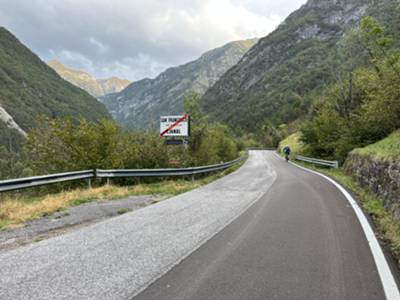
[95, 87]
[273, 83]
[29, 89]
[142, 102]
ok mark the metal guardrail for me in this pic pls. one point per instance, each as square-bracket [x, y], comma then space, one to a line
[27, 182]
[166, 172]
[260, 149]
[328, 163]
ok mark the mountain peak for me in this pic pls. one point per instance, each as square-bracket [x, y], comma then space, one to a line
[55, 64]
[142, 102]
[82, 79]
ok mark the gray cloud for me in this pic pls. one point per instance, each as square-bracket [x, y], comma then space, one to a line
[267, 7]
[136, 38]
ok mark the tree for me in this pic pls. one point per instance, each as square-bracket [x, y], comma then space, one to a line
[363, 106]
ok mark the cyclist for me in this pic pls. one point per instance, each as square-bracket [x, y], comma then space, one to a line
[286, 151]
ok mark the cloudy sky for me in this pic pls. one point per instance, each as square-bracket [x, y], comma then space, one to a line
[136, 38]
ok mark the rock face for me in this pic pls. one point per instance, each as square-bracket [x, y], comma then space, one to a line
[9, 121]
[141, 103]
[382, 177]
[95, 87]
[274, 80]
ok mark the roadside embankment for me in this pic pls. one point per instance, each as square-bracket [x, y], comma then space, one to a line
[377, 167]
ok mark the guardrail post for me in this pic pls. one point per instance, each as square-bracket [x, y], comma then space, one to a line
[89, 183]
[108, 180]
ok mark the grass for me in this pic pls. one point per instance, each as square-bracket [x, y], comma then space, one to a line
[386, 149]
[293, 141]
[388, 227]
[17, 210]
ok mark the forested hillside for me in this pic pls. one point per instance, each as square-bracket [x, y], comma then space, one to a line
[29, 88]
[143, 102]
[363, 105]
[277, 81]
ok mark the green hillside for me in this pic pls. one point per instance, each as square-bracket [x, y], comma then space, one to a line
[277, 81]
[29, 88]
[388, 148]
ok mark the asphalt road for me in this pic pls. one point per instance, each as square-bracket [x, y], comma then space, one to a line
[117, 258]
[266, 231]
[301, 240]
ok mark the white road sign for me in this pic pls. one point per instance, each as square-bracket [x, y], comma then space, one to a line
[174, 126]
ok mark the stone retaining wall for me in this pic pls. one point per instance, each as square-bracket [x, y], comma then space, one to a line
[382, 177]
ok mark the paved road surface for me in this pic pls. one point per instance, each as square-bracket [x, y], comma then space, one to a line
[116, 258]
[293, 236]
[301, 240]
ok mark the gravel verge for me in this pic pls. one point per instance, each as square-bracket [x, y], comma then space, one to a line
[70, 219]
[117, 258]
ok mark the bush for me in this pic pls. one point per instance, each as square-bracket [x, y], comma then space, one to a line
[61, 145]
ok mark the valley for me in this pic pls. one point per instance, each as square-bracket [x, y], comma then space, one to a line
[285, 183]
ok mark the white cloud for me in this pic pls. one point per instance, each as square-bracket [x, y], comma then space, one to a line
[136, 38]
[238, 22]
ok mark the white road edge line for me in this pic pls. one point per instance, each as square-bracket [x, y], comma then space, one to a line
[388, 282]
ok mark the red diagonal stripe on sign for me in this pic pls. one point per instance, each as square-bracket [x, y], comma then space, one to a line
[174, 125]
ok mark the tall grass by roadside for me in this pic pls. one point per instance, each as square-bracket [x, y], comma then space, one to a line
[386, 149]
[16, 210]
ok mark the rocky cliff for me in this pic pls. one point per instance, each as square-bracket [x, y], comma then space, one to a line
[275, 80]
[95, 87]
[142, 102]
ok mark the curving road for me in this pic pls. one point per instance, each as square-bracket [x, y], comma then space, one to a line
[301, 240]
[268, 231]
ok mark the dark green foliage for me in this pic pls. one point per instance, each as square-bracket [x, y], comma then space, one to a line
[10, 138]
[29, 88]
[11, 164]
[60, 145]
[209, 142]
[363, 106]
